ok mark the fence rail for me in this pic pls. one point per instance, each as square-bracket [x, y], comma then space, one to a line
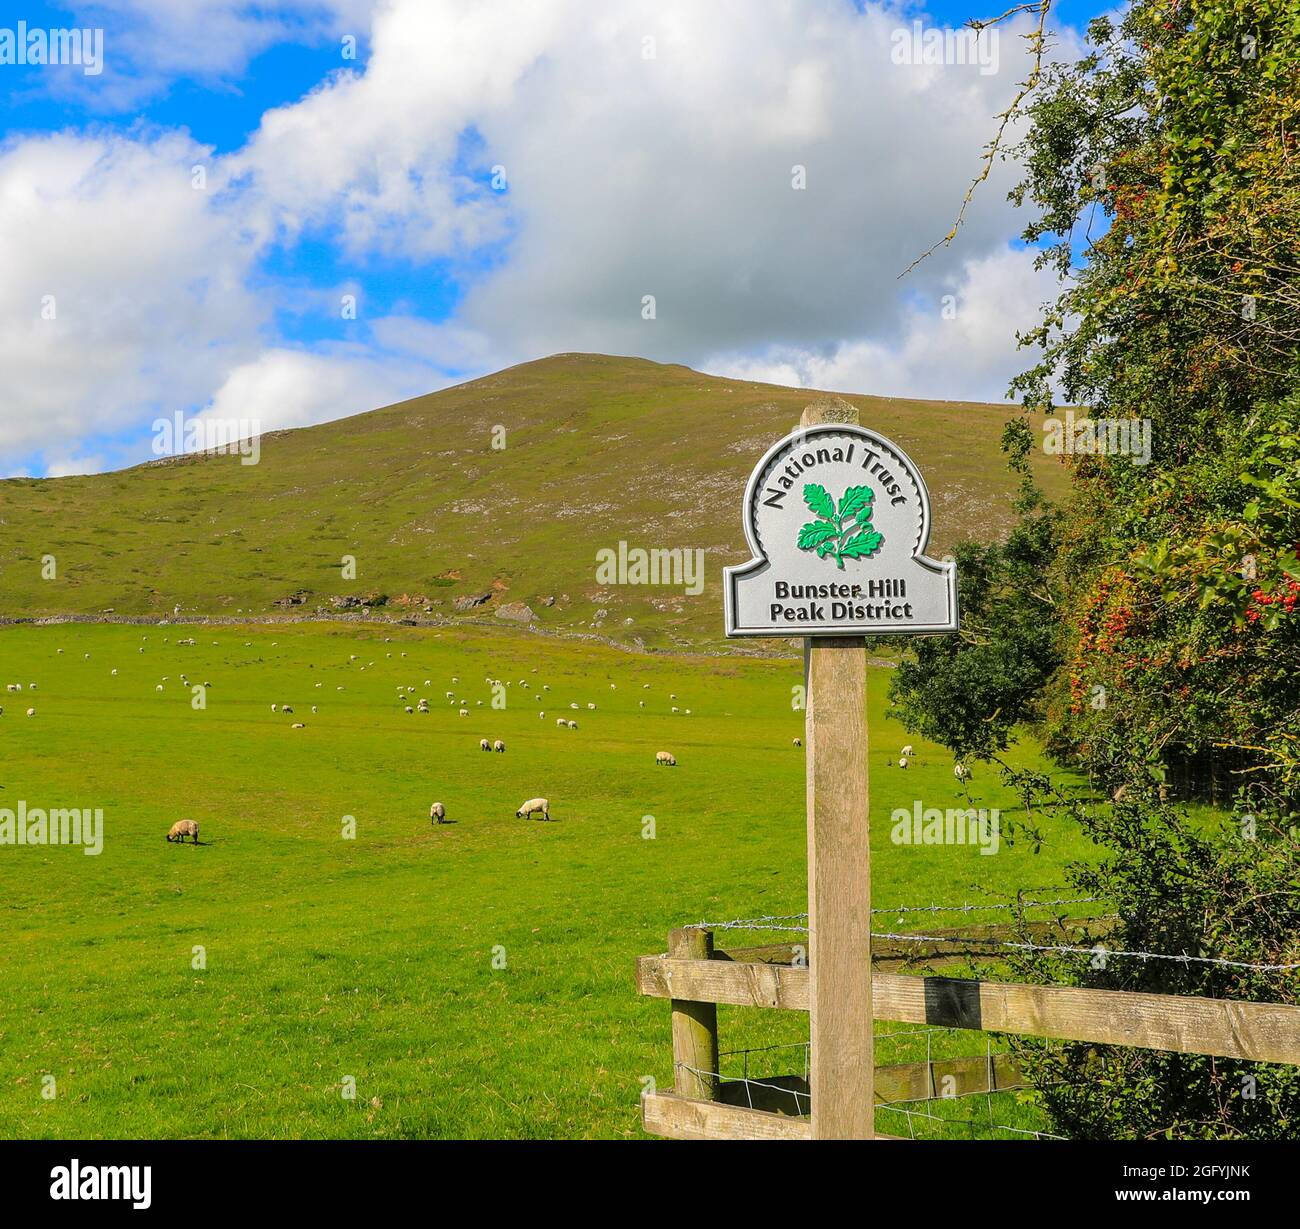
[696, 980]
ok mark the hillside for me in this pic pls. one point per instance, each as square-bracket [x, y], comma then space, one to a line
[598, 450]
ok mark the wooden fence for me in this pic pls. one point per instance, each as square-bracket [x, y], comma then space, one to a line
[695, 978]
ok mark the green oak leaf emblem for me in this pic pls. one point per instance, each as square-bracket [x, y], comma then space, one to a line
[843, 533]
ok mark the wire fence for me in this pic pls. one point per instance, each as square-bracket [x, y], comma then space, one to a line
[797, 923]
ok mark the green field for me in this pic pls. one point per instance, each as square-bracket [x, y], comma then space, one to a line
[372, 958]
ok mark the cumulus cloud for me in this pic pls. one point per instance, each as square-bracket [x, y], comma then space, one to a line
[122, 286]
[149, 44]
[283, 388]
[763, 171]
[958, 347]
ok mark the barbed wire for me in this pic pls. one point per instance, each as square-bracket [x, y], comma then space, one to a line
[1099, 950]
[776, 921]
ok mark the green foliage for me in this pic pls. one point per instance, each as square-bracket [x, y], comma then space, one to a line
[1163, 175]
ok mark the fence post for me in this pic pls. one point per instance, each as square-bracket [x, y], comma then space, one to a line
[842, 1050]
[695, 1025]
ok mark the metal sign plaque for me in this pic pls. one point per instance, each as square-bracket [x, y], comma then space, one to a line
[837, 520]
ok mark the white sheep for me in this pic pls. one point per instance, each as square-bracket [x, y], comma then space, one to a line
[902, 763]
[183, 828]
[484, 745]
[907, 750]
[31, 712]
[573, 725]
[534, 806]
[297, 725]
[561, 721]
[665, 757]
[437, 813]
[498, 745]
[464, 712]
[798, 742]
[275, 708]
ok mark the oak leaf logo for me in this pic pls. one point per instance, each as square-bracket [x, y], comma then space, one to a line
[840, 533]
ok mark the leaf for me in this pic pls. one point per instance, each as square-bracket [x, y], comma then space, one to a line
[817, 498]
[855, 499]
[814, 533]
[862, 545]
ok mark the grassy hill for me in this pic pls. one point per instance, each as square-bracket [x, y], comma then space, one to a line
[598, 450]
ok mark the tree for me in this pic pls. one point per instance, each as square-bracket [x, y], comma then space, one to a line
[1163, 174]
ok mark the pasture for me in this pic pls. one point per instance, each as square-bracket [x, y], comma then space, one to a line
[474, 979]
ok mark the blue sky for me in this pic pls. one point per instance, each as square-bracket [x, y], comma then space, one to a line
[626, 170]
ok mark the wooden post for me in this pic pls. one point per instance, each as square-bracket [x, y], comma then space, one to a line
[842, 1053]
[695, 1025]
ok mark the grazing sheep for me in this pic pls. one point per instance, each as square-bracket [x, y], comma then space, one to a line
[159, 687]
[534, 806]
[183, 828]
[798, 742]
[313, 709]
[297, 725]
[591, 706]
[665, 757]
[484, 745]
[902, 763]
[437, 813]
[275, 708]
[560, 721]
[498, 746]
[573, 725]
[907, 750]
[464, 712]
[408, 709]
[286, 708]
[31, 712]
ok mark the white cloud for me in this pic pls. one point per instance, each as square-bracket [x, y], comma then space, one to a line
[629, 174]
[958, 347]
[122, 286]
[283, 388]
[668, 176]
[149, 44]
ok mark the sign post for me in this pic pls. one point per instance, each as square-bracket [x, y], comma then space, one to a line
[837, 520]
